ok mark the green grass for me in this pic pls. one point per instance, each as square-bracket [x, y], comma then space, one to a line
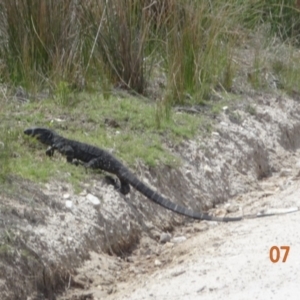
[6, 250]
[137, 137]
[288, 71]
[251, 110]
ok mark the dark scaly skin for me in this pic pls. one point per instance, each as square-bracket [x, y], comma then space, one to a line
[96, 158]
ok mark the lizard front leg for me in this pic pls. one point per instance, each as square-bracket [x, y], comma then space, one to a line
[50, 151]
[122, 186]
[125, 187]
[67, 151]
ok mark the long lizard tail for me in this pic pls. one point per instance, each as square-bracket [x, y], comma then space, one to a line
[126, 175]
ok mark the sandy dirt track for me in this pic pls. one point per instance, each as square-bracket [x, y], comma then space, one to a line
[231, 261]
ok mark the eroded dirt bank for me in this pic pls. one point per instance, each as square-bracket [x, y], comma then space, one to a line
[56, 240]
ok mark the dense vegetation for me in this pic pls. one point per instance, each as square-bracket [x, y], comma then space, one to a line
[129, 43]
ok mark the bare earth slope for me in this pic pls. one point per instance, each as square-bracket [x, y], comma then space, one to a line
[56, 244]
[255, 164]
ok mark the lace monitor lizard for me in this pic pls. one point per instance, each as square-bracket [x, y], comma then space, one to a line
[97, 158]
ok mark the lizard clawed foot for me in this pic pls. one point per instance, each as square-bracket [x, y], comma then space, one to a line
[77, 162]
[50, 151]
[123, 187]
[112, 181]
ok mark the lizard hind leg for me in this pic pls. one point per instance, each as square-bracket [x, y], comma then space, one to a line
[50, 151]
[67, 151]
[123, 186]
[112, 181]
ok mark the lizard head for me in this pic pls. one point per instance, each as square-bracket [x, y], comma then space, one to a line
[43, 135]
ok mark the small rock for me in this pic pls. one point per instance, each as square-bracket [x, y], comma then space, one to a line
[130, 259]
[93, 199]
[214, 133]
[132, 269]
[224, 124]
[64, 188]
[231, 208]
[224, 108]
[62, 216]
[177, 273]
[28, 228]
[157, 263]
[165, 237]
[211, 223]
[48, 186]
[187, 172]
[201, 289]
[147, 252]
[168, 245]
[220, 212]
[83, 193]
[198, 227]
[267, 193]
[179, 239]
[155, 234]
[59, 120]
[69, 204]
[285, 172]
[66, 196]
[207, 169]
